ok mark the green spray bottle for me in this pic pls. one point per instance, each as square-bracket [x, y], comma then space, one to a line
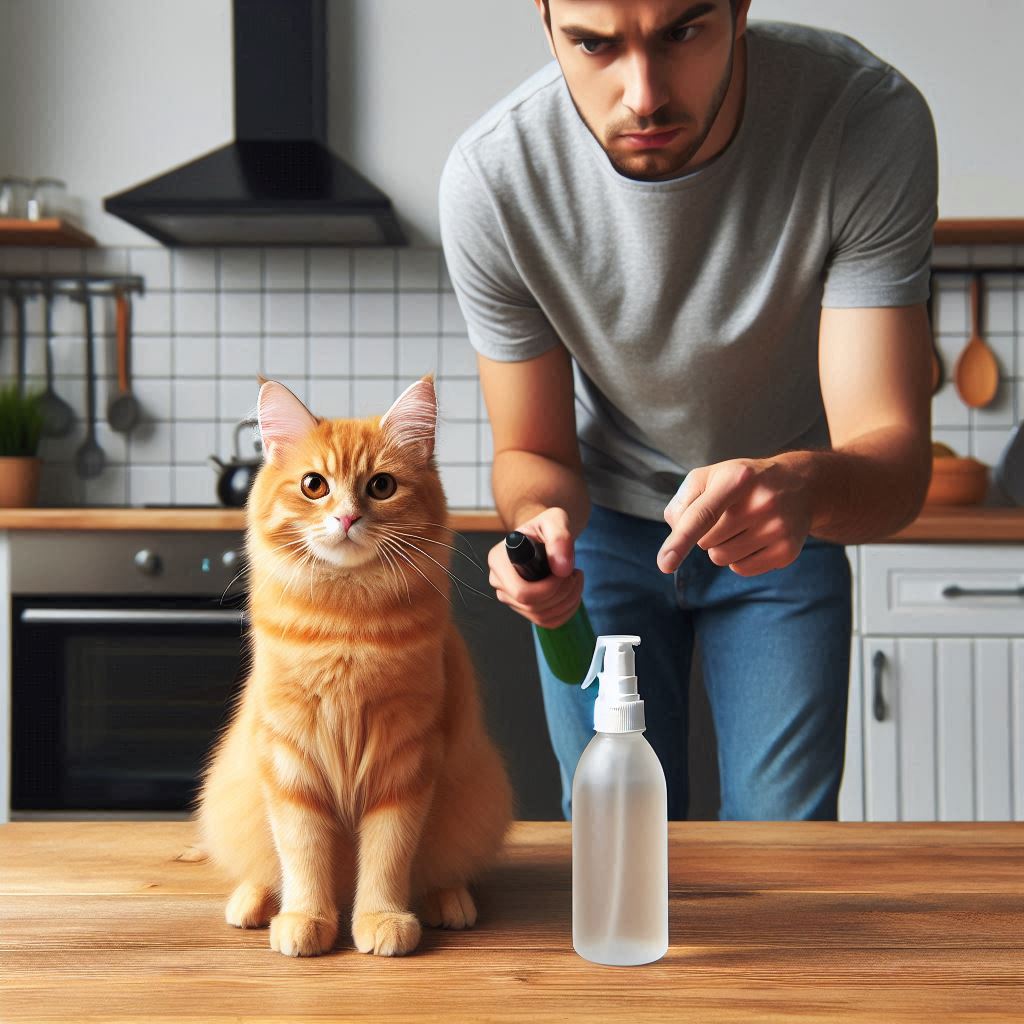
[567, 648]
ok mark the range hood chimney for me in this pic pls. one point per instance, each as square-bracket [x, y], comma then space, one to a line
[277, 183]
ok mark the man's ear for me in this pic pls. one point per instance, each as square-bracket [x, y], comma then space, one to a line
[283, 420]
[545, 16]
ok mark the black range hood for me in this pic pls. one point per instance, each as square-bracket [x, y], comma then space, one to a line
[277, 183]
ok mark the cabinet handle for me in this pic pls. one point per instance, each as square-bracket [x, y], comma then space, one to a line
[877, 664]
[955, 590]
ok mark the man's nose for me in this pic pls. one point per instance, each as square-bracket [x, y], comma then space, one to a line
[643, 91]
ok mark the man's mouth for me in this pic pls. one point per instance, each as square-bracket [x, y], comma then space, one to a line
[650, 140]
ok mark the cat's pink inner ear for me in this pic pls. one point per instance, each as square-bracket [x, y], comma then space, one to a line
[283, 420]
[412, 419]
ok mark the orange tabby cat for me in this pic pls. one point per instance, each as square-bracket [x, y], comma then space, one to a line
[357, 763]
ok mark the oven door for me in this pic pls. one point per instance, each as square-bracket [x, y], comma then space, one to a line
[117, 701]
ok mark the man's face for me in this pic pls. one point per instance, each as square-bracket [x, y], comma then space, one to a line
[648, 77]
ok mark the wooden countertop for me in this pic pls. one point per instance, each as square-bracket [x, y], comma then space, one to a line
[768, 921]
[936, 523]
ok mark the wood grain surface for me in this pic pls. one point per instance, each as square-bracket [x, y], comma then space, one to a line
[950, 523]
[768, 921]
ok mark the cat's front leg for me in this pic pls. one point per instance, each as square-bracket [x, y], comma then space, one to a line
[303, 829]
[389, 836]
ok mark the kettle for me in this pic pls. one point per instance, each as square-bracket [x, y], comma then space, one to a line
[237, 475]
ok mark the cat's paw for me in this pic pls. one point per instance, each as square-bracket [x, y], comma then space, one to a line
[449, 908]
[250, 906]
[301, 935]
[387, 933]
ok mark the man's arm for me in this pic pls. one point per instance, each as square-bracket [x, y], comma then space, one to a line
[875, 384]
[754, 514]
[536, 454]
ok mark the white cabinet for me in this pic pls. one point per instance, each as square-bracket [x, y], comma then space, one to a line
[941, 680]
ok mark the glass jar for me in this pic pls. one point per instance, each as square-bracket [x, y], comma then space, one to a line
[47, 199]
[14, 196]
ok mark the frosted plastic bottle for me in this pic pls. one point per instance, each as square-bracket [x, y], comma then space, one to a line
[619, 824]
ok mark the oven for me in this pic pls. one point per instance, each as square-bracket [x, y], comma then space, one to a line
[128, 650]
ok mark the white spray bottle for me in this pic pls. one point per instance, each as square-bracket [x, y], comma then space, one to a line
[619, 824]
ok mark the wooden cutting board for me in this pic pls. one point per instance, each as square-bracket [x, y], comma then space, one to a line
[777, 921]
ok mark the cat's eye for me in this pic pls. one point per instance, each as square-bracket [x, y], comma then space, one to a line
[315, 486]
[383, 485]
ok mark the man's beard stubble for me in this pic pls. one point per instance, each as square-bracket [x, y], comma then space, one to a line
[663, 118]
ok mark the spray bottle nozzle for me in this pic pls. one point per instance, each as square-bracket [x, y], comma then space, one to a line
[618, 707]
[618, 658]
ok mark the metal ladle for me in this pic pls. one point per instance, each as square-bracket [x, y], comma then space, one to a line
[90, 457]
[123, 409]
[57, 414]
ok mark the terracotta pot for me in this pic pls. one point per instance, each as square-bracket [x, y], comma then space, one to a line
[957, 481]
[19, 481]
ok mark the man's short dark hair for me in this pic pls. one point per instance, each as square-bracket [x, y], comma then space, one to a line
[547, 11]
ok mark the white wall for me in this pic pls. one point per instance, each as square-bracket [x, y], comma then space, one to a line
[110, 92]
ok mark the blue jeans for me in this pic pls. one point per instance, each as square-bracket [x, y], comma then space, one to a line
[775, 660]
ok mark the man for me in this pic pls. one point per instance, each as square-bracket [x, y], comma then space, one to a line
[693, 249]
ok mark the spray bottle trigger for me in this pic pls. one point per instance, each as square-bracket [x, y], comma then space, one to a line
[596, 663]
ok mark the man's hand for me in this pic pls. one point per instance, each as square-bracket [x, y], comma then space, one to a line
[749, 514]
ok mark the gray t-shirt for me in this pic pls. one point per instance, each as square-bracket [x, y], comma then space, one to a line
[691, 306]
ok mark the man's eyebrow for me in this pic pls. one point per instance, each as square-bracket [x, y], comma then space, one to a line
[581, 32]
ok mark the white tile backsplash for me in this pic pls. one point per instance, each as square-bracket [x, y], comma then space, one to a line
[374, 269]
[195, 312]
[373, 312]
[374, 357]
[284, 312]
[195, 355]
[241, 312]
[241, 270]
[284, 269]
[330, 269]
[330, 313]
[347, 331]
[195, 269]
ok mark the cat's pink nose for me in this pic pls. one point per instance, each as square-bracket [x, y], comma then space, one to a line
[347, 521]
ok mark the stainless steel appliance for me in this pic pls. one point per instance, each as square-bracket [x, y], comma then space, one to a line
[127, 649]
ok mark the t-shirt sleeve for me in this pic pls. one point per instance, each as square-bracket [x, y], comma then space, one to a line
[884, 201]
[502, 317]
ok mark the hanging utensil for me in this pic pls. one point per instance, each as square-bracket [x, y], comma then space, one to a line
[57, 414]
[22, 342]
[977, 372]
[936, 361]
[123, 409]
[90, 457]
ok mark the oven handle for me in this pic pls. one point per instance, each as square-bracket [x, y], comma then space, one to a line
[135, 616]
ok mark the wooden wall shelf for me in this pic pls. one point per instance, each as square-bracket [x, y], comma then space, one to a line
[971, 231]
[49, 231]
[952, 231]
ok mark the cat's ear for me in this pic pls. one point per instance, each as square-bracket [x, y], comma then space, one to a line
[412, 420]
[283, 420]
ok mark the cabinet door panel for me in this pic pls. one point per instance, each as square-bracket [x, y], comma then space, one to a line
[948, 745]
[954, 699]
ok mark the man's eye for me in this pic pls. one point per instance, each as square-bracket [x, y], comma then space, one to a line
[382, 486]
[678, 35]
[591, 46]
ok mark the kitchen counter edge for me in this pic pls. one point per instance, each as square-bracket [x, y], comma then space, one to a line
[941, 524]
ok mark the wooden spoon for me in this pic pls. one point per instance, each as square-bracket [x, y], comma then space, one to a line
[977, 372]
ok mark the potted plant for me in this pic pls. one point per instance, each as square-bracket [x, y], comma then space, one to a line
[21, 422]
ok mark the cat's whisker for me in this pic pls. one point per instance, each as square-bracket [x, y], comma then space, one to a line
[398, 551]
[400, 577]
[457, 580]
[247, 568]
[429, 540]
